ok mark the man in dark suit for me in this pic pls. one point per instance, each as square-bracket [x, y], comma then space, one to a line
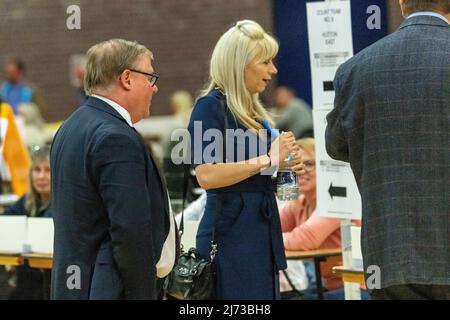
[391, 122]
[111, 210]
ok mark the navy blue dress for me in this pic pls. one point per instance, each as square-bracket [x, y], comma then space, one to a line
[249, 238]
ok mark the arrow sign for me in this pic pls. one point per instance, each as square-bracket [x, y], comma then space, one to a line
[337, 191]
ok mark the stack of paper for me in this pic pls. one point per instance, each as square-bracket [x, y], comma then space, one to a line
[13, 233]
[19, 234]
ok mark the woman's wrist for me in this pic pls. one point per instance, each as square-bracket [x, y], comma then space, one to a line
[263, 162]
[274, 162]
[267, 162]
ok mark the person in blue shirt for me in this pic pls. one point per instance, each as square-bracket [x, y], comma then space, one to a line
[34, 284]
[14, 91]
[249, 243]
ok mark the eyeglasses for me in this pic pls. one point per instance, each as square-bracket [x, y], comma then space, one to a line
[153, 76]
[309, 165]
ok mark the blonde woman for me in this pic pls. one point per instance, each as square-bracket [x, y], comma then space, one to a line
[250, 245]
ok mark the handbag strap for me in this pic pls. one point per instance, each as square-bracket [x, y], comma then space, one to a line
[219, 203]
[289, 280]
[186, 174]
[219, 198]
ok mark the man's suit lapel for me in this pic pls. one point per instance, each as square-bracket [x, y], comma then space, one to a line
[158, 173]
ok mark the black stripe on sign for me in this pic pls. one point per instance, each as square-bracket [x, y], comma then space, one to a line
[328, 86]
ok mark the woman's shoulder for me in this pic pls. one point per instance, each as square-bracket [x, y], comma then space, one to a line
[208, 107]
[211, 102]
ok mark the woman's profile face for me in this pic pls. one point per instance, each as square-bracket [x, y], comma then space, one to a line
[40, 177]
[258, 74]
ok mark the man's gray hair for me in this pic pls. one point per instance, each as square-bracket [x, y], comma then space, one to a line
[107, 60]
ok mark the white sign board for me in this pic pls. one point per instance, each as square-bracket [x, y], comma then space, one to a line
[13, 231]
[40, 234]
[355, 234]
[330, 44]
[337, 192]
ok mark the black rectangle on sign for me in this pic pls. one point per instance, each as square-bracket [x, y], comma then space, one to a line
[328, 86]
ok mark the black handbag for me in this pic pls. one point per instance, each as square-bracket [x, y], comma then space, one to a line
[193, 277]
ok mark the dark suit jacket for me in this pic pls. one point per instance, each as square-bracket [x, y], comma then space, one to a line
[391, 121]
[110, 207]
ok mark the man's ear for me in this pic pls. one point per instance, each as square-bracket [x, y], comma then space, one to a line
[402, 7]
[125, 79]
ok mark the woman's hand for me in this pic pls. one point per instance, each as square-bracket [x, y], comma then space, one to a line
[295, 164]
[282, 147]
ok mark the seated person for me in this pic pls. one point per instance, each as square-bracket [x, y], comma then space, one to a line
[33, 130]
[292, 113]
[302, 228]
[30, 282]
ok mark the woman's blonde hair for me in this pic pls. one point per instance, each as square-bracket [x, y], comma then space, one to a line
[307, 144]
[235, 50]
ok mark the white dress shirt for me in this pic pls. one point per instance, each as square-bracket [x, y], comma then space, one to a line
[121, 110]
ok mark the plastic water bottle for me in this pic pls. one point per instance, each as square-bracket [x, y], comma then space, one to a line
[287, 185]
